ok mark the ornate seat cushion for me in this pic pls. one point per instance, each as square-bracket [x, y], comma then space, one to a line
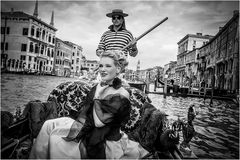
[69, 97]
[145, 125]
[137, 99]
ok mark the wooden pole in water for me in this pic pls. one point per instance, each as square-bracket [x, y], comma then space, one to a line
[165, 86]
[213, 83]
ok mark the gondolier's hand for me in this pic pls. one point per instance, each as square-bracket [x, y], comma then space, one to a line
[134, 51]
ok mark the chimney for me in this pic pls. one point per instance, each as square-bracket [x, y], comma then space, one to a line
[235, 12]
[35, 13]
[199, 34]
[12, 10]
[52, 19]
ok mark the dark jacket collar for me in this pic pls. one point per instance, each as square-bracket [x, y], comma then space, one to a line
[120, 29]
[91, 93]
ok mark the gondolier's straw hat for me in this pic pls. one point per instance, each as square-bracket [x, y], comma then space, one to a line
[116, 12]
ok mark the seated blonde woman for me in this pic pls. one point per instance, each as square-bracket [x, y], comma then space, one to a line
[96, 133]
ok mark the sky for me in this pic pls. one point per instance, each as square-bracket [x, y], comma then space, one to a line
[84, 22]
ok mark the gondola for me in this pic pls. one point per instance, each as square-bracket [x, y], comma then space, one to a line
[18, 132]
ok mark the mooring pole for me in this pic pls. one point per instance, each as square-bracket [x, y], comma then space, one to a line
[165, 86]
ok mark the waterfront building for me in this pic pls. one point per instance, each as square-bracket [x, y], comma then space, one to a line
[227, 56]
[129, 74]
[63, 58]
[225, 64]
[27, 42]
[77, 59]
[142, 74]
[169, 70]
[191, 69]
[91, 65]
[160, 71]
[152, 73]
[185, 45]
[219, 59]
[203, 58]
[89, 68]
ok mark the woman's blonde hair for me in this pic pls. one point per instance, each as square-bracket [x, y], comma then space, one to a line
[118, 58]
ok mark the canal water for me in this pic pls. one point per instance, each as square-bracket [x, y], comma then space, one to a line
[217, 126]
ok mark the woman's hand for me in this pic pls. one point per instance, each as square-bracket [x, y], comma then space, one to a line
[99, 52]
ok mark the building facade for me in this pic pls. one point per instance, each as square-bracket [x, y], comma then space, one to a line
[186, 44]
[63, 58]
[203, 52]
[27, 43]
[219, 59]
[191, 68]
[77, 59]
[227, 56]
[91, 65]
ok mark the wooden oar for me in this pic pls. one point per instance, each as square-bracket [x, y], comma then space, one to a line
[149, 30]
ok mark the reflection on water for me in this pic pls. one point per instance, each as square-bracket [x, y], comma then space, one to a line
[17, 90]
[217, 126]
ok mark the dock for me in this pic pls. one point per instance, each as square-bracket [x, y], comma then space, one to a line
[185, 92]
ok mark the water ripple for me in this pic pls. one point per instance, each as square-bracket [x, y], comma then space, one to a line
[216, 126]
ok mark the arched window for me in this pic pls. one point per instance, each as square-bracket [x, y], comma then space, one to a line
[48, 52]
[49, 38]
[38, 33]
[231, 65]
[53, 40]
[32, 31]
[52, 53]
[225, 67]
[42, 49]
[31, 47]
[13, 63]
[43, 34]
[36, 48]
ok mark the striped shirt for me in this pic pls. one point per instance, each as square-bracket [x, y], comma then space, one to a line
[112, 40]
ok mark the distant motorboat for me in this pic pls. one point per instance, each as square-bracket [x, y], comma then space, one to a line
[139, 85]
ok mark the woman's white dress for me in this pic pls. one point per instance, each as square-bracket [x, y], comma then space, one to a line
[50, 144]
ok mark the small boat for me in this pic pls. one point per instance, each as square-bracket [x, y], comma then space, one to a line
[18, 136]
[139, 85]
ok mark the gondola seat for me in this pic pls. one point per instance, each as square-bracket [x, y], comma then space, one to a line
[147, 125]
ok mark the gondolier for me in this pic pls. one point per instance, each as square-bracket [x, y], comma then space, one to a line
[117, 37]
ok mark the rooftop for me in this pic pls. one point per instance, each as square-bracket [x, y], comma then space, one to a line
[20, 14]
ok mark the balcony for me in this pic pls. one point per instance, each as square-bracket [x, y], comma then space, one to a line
[67, 59]
[190, 61]
[219, 59]
[208, 66]
[42, 56]
[39, 40]
[66, 66]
